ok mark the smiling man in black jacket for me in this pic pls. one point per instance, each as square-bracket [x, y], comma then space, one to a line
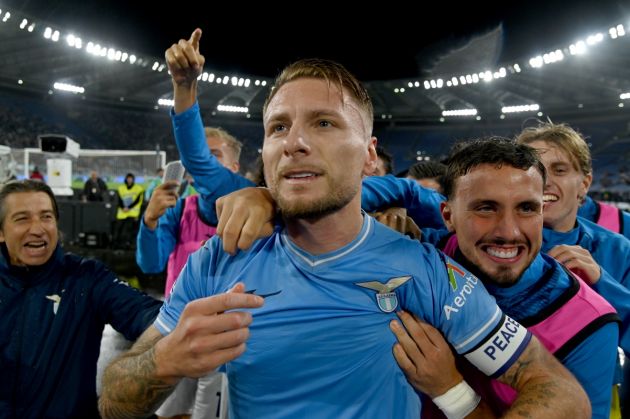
[53, 307]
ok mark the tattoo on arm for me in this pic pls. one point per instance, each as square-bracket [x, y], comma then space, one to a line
[544, 386]
[130, 388]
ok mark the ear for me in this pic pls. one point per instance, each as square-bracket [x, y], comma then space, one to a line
[235, 166]
[371, 159]
[447, 215]
[586, 184]
[2, 240]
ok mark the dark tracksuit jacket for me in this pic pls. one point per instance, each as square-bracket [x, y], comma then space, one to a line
[51, 323]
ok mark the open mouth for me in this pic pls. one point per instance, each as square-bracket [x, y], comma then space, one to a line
[35, 248]
[550, 198]
[35, 245]
[503, 253]
[301, 175]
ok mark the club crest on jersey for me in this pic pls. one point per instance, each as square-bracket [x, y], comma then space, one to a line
[385, 296]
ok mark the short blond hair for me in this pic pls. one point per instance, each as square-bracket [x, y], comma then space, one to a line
[231, 141]
[331, 72]
[565, 138]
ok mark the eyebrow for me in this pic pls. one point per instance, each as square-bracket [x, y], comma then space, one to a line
[26, 212]
[315, 113]
[531, 202]
[482, 202]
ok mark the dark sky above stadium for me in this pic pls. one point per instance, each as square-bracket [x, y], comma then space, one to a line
[385, 41]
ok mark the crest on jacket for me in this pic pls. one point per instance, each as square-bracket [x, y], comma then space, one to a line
[56, 299]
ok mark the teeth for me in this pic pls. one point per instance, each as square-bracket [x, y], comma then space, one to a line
[301, 175]
[502, 253]
[549, 197]
[36, 245]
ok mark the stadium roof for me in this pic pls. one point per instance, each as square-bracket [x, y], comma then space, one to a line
[406, 57]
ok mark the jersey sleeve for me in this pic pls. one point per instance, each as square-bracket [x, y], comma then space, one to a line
[593, 364]
[212, 180]
[422, 204]
[194, 281]
[155, 246]
[470, 319]
[127, 309]
[619, 297]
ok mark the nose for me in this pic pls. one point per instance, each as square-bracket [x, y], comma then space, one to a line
[36, 227]
[507, 227]
[296, 143]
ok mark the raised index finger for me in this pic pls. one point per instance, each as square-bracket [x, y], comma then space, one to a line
[194, 39]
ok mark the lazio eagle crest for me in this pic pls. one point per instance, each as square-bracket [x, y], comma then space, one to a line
[385, 296]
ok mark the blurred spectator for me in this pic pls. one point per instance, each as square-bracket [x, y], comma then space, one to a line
[129, 203]
[385, 163]
[36, 174]
[428, 174]
[95, 188]
[157, 181]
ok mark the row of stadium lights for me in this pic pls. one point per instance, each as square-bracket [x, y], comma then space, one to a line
[223, 108]
[486, 76]
[112, 54]
[504, 110]
[579, 48]
[513, 109]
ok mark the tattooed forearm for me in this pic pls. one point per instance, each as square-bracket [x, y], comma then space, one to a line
[519, 369]
[545, 388]
[130, 387]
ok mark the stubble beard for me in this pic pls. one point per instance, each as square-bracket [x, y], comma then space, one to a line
[338, 197]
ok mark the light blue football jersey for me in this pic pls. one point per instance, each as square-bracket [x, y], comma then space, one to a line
[321, 346]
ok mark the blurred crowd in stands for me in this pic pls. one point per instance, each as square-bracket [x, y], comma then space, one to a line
[101, 127]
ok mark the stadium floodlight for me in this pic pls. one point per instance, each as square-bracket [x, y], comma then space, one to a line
[6, 17]
[247, 82]
[520, 108]
[166, 102]
[460, 112]
[620, 30]
[31, 27]
[578, 48]
[264, 82]
[230, 108]
[536, 62]
[594, 39]
[624, 95]
[68, 87]
[23, 23]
